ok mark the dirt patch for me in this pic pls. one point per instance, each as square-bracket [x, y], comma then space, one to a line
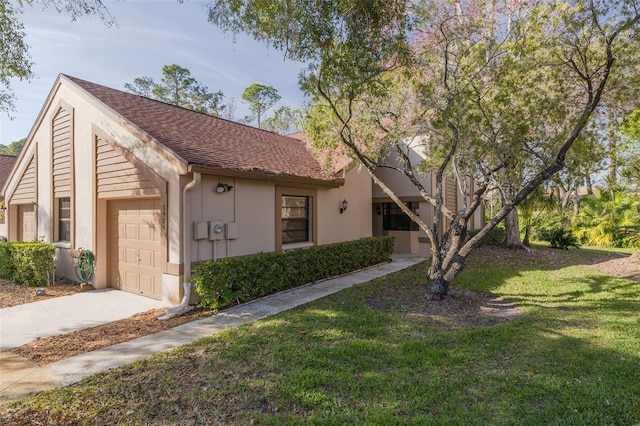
[45, 350]
[624, 267]
[12, 294]
[461, 308]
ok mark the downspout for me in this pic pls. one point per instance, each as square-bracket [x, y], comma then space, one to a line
[184, 306]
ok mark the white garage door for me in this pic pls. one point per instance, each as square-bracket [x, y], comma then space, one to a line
[135, 246]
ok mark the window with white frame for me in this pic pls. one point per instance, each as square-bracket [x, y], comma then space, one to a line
[64, 219]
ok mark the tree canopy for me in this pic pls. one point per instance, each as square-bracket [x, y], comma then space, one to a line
[492, 92]
[13, 148]
[260, 98]
[15, 61]
[177, 87]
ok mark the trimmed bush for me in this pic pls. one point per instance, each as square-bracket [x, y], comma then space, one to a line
[29, 264]
[237, 280]
[495, 237]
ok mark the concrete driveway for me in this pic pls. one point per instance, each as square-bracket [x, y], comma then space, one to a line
[24, 323]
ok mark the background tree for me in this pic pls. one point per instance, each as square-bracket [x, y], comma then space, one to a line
[179, 88]
[142, 86]
[13, 148]
[260, 98]
[15, 61]
[14, 56]
[284, 120]
[483, 87]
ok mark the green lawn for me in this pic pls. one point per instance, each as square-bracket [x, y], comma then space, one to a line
[573, 359]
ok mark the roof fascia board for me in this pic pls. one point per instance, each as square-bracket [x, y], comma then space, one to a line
[290, 180]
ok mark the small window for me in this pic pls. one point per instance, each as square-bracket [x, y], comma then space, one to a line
[295, 219]
[394, 219]
[64, 219]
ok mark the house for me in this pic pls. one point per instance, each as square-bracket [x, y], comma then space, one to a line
[151, 188]
[6, 164]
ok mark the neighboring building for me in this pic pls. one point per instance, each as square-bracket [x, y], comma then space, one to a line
[6, 164]
[151, 188]
[388, 219]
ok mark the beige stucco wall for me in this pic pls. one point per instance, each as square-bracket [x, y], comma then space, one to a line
[355, 222]
[397, 181]
[250, 205]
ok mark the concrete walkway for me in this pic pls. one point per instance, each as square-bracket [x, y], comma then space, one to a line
[20, 377]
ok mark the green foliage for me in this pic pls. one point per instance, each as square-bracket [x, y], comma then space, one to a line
[284, 121]
[15, 61]
[179, 88]
[29, 264]
[493, 238]
[223, 282]
[609, 218]
[559, 238]
[13, 148]
[14, 53]
[260, 98]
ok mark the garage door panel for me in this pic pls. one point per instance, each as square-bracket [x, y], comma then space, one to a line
[135, 249]
[145, 232]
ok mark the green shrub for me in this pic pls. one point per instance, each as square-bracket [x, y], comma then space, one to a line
[493, 238]
[29, 264]
[560, 238]
[236, 280]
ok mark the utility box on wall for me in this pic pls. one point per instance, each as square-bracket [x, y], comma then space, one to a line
[200, 230]
[231, 231]
[216, 230]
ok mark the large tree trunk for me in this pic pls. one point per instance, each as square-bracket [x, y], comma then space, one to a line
[437, 289]
[438, 285]
[512, 228]
[511, 224]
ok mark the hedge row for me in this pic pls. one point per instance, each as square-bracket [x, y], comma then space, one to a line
[237, 280]
[493, 238]
[28, 264]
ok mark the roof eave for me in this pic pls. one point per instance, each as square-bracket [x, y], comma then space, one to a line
[268, 177]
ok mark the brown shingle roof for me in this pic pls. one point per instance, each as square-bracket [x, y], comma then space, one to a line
[6, 164]
[203, 140]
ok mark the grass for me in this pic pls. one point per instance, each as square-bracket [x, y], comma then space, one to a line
[573, 359]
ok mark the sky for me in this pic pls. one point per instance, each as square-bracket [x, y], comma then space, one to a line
[149, 35]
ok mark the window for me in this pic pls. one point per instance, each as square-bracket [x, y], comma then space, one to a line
[296, 219]
[394, 219]
[64, 219]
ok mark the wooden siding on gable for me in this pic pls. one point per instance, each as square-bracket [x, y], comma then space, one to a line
[118, 177]
[25, 192]
[61, 135]
[451, 194]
